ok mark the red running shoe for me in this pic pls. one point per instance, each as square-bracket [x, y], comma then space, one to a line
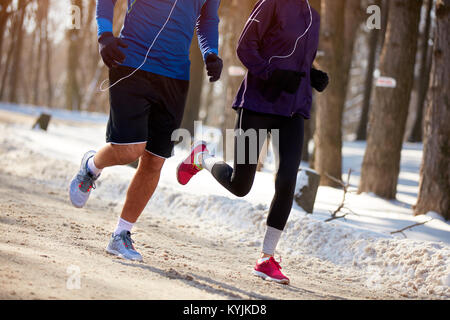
[270, 270]
[191, 166]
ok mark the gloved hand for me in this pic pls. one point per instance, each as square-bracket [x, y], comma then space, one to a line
[282, 80]
[109, 49]
[319, 80]
[214, 66]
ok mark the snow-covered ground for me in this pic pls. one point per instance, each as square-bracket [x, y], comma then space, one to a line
[416, 261]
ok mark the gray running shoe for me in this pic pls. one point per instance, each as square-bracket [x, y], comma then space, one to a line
[82, 183]
[121, 245]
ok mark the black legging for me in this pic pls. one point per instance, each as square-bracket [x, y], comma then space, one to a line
[239, 180]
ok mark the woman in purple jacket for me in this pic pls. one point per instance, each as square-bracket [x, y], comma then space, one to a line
[278, 46]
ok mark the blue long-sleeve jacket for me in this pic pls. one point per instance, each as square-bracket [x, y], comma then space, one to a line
[170, 54]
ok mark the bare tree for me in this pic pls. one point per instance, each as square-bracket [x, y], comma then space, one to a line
[195, 88]
[340, 20]
[373, 45]
[88, 44]
[424, 77]
[434, 188]
[18, 46]
[73, 94]
[235, 14]
[4, 16]
[9, 54]
[41, 21]
[310, 123]
[387, 120]
[93, 100]
[376, 36]
[48, 65]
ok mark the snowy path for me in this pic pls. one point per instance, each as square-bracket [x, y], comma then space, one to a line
[197, 242]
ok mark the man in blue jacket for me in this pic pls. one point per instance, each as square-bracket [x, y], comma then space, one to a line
[149, 80]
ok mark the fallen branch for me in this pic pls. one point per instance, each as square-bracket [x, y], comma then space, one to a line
[335, 217]
[345, 186]
[410, 227]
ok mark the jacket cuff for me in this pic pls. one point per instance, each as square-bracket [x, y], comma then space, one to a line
[104, 25]
[206, 54]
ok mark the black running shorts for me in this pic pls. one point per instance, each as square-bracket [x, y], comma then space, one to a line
[145, 108]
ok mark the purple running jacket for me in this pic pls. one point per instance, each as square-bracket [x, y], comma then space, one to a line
[267, 43]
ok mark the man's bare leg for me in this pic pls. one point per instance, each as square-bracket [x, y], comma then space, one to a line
[145, 179]
[139, 192]
[92, 164]
[113, 154]
[142, 186]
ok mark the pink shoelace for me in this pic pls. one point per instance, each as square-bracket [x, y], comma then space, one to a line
[276, 262]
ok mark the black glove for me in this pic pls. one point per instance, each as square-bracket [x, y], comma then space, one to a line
[109, 49]
[282, 80]
[319, 80]
[214, 66]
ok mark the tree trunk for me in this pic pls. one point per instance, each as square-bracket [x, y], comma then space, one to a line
[88, 37]
[310, 124]
[387, 120]
[340, 20]
[93, 101]
[434, 188]
[48, 68]
[195, 88]
[9, 55]
[307, 137]
[92, 87]
[424, 78]
[361, 133]
[327, 138]
[312, 128]
[236, 15]
[18, 43]
[32, 64]
[212, 114]
[353, 18]
[41, 17]
[386, 4]
[4, 15]
[73, 95]
[316, 4]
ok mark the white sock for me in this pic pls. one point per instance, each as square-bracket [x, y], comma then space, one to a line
[123, 225]
[271, 240]
[261, 260]
[209, 161]
[92, 168]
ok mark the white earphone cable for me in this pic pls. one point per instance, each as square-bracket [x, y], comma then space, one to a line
[253, 20]
[146, 56]
[298, 39]
[167, 21]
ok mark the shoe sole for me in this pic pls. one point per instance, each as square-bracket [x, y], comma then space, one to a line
[195, 145]
[118, 254]
[70, 195]
[86, 155]
[267, 278]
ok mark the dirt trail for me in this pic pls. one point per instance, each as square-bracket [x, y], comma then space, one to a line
[43, 238]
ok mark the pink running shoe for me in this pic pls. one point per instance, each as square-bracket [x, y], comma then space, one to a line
[270, 270]
[191, 166]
